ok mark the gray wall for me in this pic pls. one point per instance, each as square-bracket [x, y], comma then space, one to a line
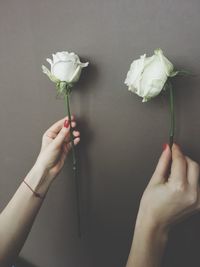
[121, 137]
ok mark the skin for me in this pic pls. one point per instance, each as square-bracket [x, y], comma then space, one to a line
[18, 216]
[171, 195]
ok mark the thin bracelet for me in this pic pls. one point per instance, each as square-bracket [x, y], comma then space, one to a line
[35, 193]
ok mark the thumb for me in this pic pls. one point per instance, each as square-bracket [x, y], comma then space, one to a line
[162, 167]
[61, 136]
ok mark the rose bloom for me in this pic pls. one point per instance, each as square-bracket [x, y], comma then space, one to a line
[148, 75]
[65, 67]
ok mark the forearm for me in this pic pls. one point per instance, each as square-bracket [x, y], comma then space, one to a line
[148, 245]
[18, 216]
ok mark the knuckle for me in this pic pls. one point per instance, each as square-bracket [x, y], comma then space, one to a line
[180, 187]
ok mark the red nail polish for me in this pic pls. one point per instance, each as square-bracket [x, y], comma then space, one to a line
[164, 146]
[66, 123]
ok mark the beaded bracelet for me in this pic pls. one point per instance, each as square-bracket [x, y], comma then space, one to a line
[35, 193]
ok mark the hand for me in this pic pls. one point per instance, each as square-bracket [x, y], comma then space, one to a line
[173, 191]
[55, 147]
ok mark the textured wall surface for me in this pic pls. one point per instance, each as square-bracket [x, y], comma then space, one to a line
[121, 137]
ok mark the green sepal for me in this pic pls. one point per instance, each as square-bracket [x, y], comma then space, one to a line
[146, 99]
[63, 87]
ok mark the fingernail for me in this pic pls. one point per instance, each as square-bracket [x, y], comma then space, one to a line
[66, 123]
[164, 146]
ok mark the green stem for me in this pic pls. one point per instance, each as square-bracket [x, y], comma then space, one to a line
[74, 161]
[172, 117]
[71, 130]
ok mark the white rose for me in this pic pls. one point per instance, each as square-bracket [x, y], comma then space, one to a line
[148, 75]
[65, 67]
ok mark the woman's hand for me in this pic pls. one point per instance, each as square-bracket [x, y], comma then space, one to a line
[17, 218]
[55, 147]
[171, 195]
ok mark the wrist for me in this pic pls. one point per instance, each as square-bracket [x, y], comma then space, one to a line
[38, 180]
[148, 244]
[151, 227]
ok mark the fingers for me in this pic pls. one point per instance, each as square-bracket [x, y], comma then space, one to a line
[68, 137]
[68, 145]
[76, 133]
[66, 148]
[56, 127]
[76, 141]
[64, 137]
[51, 135]
[192, 172]
[162, 167]
[61, 136]
[179, 165]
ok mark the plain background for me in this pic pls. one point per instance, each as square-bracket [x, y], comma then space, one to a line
[122, 138]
